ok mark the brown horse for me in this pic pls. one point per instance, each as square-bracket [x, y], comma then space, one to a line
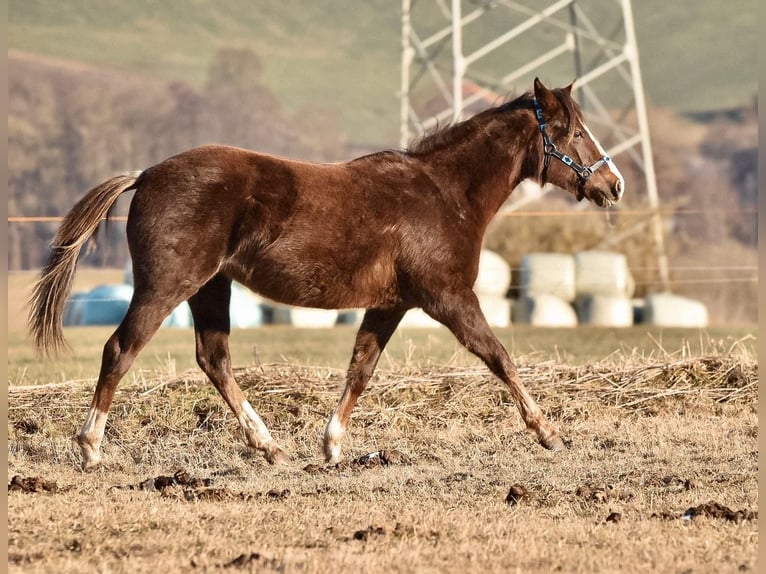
[385, 232]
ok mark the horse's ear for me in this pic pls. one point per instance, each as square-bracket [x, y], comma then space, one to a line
[545, 96]
[568, 89]
[539, 88]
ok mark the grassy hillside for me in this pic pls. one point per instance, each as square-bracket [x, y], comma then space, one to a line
[344, 57]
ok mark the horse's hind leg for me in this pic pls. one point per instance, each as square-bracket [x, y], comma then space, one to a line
[210, 309]
[145, 315]
[461, 313]
[377, 327]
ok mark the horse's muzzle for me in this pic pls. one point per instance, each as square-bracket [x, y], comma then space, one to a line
[618, 189]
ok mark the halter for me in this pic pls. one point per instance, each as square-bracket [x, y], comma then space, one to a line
[550, 149]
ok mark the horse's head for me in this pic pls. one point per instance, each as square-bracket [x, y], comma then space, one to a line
[574, 160]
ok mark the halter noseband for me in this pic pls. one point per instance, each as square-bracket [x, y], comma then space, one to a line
[550, 149]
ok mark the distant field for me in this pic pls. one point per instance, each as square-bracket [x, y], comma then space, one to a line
[345, 57]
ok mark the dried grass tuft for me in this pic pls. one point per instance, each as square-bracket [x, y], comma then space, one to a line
[299, 398]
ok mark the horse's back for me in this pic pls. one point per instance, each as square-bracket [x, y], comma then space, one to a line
[317, 235]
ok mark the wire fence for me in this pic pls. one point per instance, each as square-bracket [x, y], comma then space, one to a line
[744, 273]
[553, 213]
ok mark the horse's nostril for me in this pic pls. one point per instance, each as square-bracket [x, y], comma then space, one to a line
[618, 189]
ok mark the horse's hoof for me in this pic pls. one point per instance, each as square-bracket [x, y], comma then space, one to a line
[90, 466]
[553, 442]
[91, 457]
[276, 455]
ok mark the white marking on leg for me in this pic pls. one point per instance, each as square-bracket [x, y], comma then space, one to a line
[333, 433]
[90, 437]
[257, 434]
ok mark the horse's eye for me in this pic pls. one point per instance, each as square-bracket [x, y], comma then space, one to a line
[578, 134]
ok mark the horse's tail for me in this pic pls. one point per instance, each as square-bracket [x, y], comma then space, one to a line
[51, 291]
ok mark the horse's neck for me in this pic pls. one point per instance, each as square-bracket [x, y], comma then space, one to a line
[485, 170]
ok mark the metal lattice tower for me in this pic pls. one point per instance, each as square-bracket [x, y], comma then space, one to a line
[460, 53]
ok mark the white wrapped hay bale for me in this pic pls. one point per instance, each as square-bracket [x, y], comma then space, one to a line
[417, 318]
[494, 276]
[548, 274]
[496, 309]
[605, 310]
[350, 317]
[544, 310]
[603, 273]
[305, 317]
[181, 317]
[667, 310]
[245, 308]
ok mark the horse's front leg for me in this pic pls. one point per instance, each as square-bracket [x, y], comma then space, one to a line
[461, 313]
[377, 327]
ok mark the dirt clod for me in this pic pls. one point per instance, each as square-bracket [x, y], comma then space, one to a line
[382, 458]
[715, 509]
[516, 494]
[394, 457]
[32, 484]
[277, 494]
[179, 478]
[243, 560]
[690, 484]
[314, 469]
[594, 493]
[369, 533]
[27, 426]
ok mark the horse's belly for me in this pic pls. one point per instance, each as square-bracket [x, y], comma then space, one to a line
[321, 283]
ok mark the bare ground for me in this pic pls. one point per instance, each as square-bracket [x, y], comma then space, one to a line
[659, 476]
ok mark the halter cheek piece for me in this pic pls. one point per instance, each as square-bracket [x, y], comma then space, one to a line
[550, 149]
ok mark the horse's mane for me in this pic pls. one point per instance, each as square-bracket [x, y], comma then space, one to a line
[446, 134]
[441, 136]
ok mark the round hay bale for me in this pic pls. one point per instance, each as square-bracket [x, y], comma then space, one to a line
[418, 318]
[605, 311]
[494, 276]
[74, 309]
[106, 304]
[180, 317]
[548, 274]
[544, 310]
[667, 310]
[304, 316]
[497, 310]
[350, 317]
[638, 310]
[245, 308]
[603, 273]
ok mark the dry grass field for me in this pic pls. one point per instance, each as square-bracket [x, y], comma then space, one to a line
[439, 475]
